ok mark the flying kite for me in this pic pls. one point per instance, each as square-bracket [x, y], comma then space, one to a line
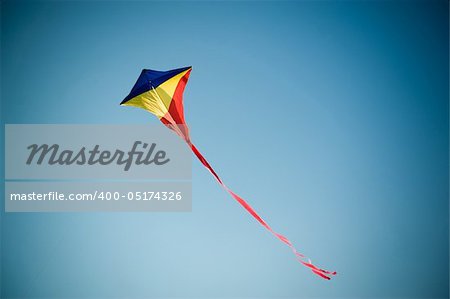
[161, 93]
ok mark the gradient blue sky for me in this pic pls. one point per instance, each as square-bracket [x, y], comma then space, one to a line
[330, 117]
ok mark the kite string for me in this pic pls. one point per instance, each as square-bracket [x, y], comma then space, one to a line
[300, 257]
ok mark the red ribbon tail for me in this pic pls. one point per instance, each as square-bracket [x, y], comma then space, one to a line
[325, 274]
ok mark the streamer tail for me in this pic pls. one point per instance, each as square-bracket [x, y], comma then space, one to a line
[325, 274]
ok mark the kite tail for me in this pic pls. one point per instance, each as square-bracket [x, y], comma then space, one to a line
[300, 257]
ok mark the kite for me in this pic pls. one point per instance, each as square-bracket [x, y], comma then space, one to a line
[161, 93]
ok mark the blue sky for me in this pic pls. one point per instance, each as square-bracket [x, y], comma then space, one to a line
[330, 117]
